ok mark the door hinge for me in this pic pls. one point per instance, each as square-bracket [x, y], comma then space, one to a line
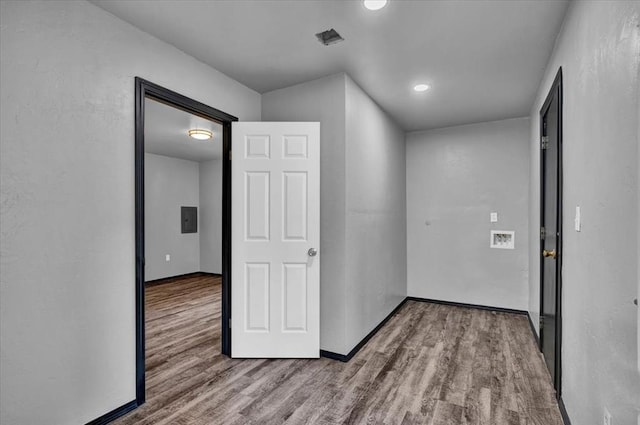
[544, 143]
[541, 322]
[543, 233]
[230, 155]
[229, 323]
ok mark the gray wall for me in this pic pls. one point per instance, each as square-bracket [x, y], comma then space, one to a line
[362, 227]
[598, 50]
[323, 100]
[376, 256]
[210, 216]
[456, 177]
[170, 183]
[67, 268]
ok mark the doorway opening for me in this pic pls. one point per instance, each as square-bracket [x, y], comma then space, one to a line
[551, 231]
[164, 105]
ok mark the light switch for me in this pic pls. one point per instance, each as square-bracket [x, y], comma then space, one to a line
[167, 257]
[577, 221]
[494, 217]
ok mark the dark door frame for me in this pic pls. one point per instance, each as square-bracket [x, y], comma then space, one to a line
[556, 90]
[148, 89]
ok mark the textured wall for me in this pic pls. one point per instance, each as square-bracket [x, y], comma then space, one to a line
[170, 183]
[598, 49]
[67, 269]
[211, 216]
[323, 100]
[456, 177]
[363, 264]
[376, 243]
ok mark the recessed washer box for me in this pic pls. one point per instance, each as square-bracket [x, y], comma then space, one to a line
[503, 239]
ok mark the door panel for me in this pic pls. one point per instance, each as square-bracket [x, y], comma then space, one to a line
[551, 236]
[276, 222]
[549, 243]
[256, 278]
[294, 197]
[257, 206]
[294, 295]
[257, 146]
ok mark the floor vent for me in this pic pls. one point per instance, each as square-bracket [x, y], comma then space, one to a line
[329, 37]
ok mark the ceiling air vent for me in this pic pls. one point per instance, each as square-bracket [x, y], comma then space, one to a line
[329, 37]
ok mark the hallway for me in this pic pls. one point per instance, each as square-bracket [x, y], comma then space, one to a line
[430, 364]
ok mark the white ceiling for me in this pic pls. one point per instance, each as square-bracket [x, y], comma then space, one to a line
[483, 59]
[165, 133]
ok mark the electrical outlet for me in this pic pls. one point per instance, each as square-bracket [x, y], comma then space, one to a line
[167, 257]
[493, 217]
[606, 419]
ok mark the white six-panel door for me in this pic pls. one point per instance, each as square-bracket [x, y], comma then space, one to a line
[275, 273]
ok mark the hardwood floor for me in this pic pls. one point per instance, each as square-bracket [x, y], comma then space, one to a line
[430, 364]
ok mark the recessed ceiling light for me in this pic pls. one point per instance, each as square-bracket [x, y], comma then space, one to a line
[421, 87]
[200, 134]
[375, 4]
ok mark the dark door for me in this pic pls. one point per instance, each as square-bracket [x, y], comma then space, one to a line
[551, 229]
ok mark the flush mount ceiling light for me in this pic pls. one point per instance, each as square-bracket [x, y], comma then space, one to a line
[421, 87]
[375, 4]
[200, 134]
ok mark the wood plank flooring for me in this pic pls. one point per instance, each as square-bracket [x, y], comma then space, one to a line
[430, 364]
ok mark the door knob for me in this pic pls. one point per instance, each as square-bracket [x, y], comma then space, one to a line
[312, 252]
[551, 253]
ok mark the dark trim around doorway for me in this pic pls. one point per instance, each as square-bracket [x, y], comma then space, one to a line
[144, 89]
[556, 89]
